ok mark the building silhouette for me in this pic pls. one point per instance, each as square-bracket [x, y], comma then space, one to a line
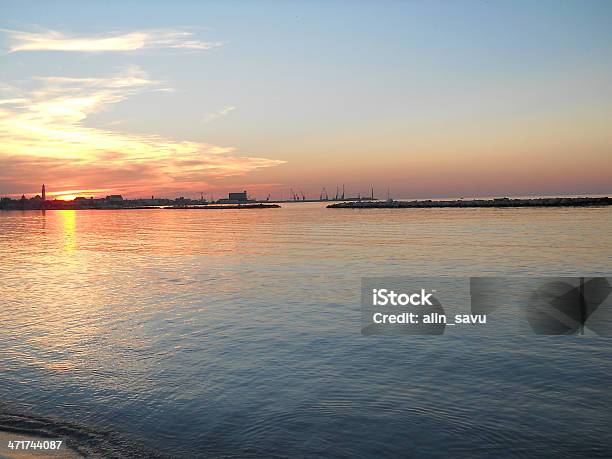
[238, 196]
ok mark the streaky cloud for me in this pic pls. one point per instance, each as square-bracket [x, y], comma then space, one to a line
[223, 112]
[45, 131]
[52, 40]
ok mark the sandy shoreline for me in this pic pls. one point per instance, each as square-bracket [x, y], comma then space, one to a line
[6, 453]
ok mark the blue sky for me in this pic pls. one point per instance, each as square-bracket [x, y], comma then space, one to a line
[431, 98]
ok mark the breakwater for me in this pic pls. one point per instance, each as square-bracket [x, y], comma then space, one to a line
[230, 206]
[497, 202]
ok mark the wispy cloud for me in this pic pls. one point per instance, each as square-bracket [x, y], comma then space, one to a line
[213, 116]
[12, 101]
[44, 135]
[52, 40]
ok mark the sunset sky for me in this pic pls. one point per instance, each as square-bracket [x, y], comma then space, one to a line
[429, 98]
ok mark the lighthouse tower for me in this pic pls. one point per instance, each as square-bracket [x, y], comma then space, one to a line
[43, 193]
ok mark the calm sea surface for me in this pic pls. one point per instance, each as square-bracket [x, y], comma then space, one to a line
[237, 333]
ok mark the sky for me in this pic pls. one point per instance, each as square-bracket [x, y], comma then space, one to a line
[425, 98]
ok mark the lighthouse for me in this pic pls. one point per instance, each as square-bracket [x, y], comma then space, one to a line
[43, 193]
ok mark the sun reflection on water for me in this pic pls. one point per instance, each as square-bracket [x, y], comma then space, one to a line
[68, 224]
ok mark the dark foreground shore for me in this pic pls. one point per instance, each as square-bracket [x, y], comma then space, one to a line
[498, 202]
[77, 440]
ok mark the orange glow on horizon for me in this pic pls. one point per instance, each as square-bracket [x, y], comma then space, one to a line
[66, 197]
[71, 194]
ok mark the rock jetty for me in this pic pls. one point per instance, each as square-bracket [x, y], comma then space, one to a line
[497, 202]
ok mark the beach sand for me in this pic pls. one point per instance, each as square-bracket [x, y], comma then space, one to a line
[6, 453]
